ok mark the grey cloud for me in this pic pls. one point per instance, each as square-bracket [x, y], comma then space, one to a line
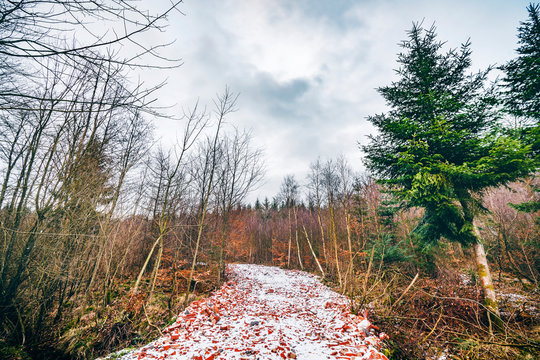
[281, 100]
[334, 12]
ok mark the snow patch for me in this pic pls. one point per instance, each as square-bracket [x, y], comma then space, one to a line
[267, 313]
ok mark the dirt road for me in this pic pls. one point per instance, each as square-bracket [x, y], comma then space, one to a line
[267, 313]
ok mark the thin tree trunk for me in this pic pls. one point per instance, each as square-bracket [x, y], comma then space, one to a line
[222, 245]
[350, 271]
[156, 267]
[313, 253]
[485, 278]
[290, 241]
[322, 234]
[364, 286]
[296, 236]
[143, 269]
[331, 206]
[197, 243]
[225, 104]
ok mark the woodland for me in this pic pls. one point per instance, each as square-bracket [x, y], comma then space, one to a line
[106, 234]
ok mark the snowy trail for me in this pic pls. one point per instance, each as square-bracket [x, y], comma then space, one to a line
[267, 313]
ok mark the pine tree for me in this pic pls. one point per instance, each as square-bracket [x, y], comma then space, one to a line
[521, 87]
[440, 144]
[522, 80]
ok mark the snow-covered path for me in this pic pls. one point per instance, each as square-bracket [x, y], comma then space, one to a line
[267, 313]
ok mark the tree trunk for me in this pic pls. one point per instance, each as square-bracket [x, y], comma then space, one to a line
[490, 298]
[296, 236]
[221, 271]
[350, 271]
[334, 235]
[290, 241]
[322, 234]
[482, 266]
[485, 278]
[313, 253]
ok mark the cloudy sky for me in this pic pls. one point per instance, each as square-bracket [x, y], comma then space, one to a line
[307, 71]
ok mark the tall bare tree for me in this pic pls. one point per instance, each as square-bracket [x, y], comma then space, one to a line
[224, 105]
[331, 183]
[239, 170]
[315, 184]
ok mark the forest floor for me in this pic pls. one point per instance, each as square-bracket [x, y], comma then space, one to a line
[267, 313]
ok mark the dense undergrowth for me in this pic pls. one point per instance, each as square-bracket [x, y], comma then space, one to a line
[94, 327]
[442, 316]
[131, 320]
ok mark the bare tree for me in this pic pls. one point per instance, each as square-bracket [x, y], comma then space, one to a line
[315, 185]
[61, 152]
[225, 104]
[38, 29]
[239, 170]
[171, 183]
[331, 183]
[289, 194]
[346, 176]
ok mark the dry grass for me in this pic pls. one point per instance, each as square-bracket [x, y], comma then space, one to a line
[129, 320]
[442, 317]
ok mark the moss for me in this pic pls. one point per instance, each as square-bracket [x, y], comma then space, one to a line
[491, 304]
[467, 344]
[70, 325]
[388, 352]
[482, 271]
[12, 352]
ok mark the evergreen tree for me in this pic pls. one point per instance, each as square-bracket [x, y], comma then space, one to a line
[522, 80]
[522, 88]
[440, 144]
[266, 204]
